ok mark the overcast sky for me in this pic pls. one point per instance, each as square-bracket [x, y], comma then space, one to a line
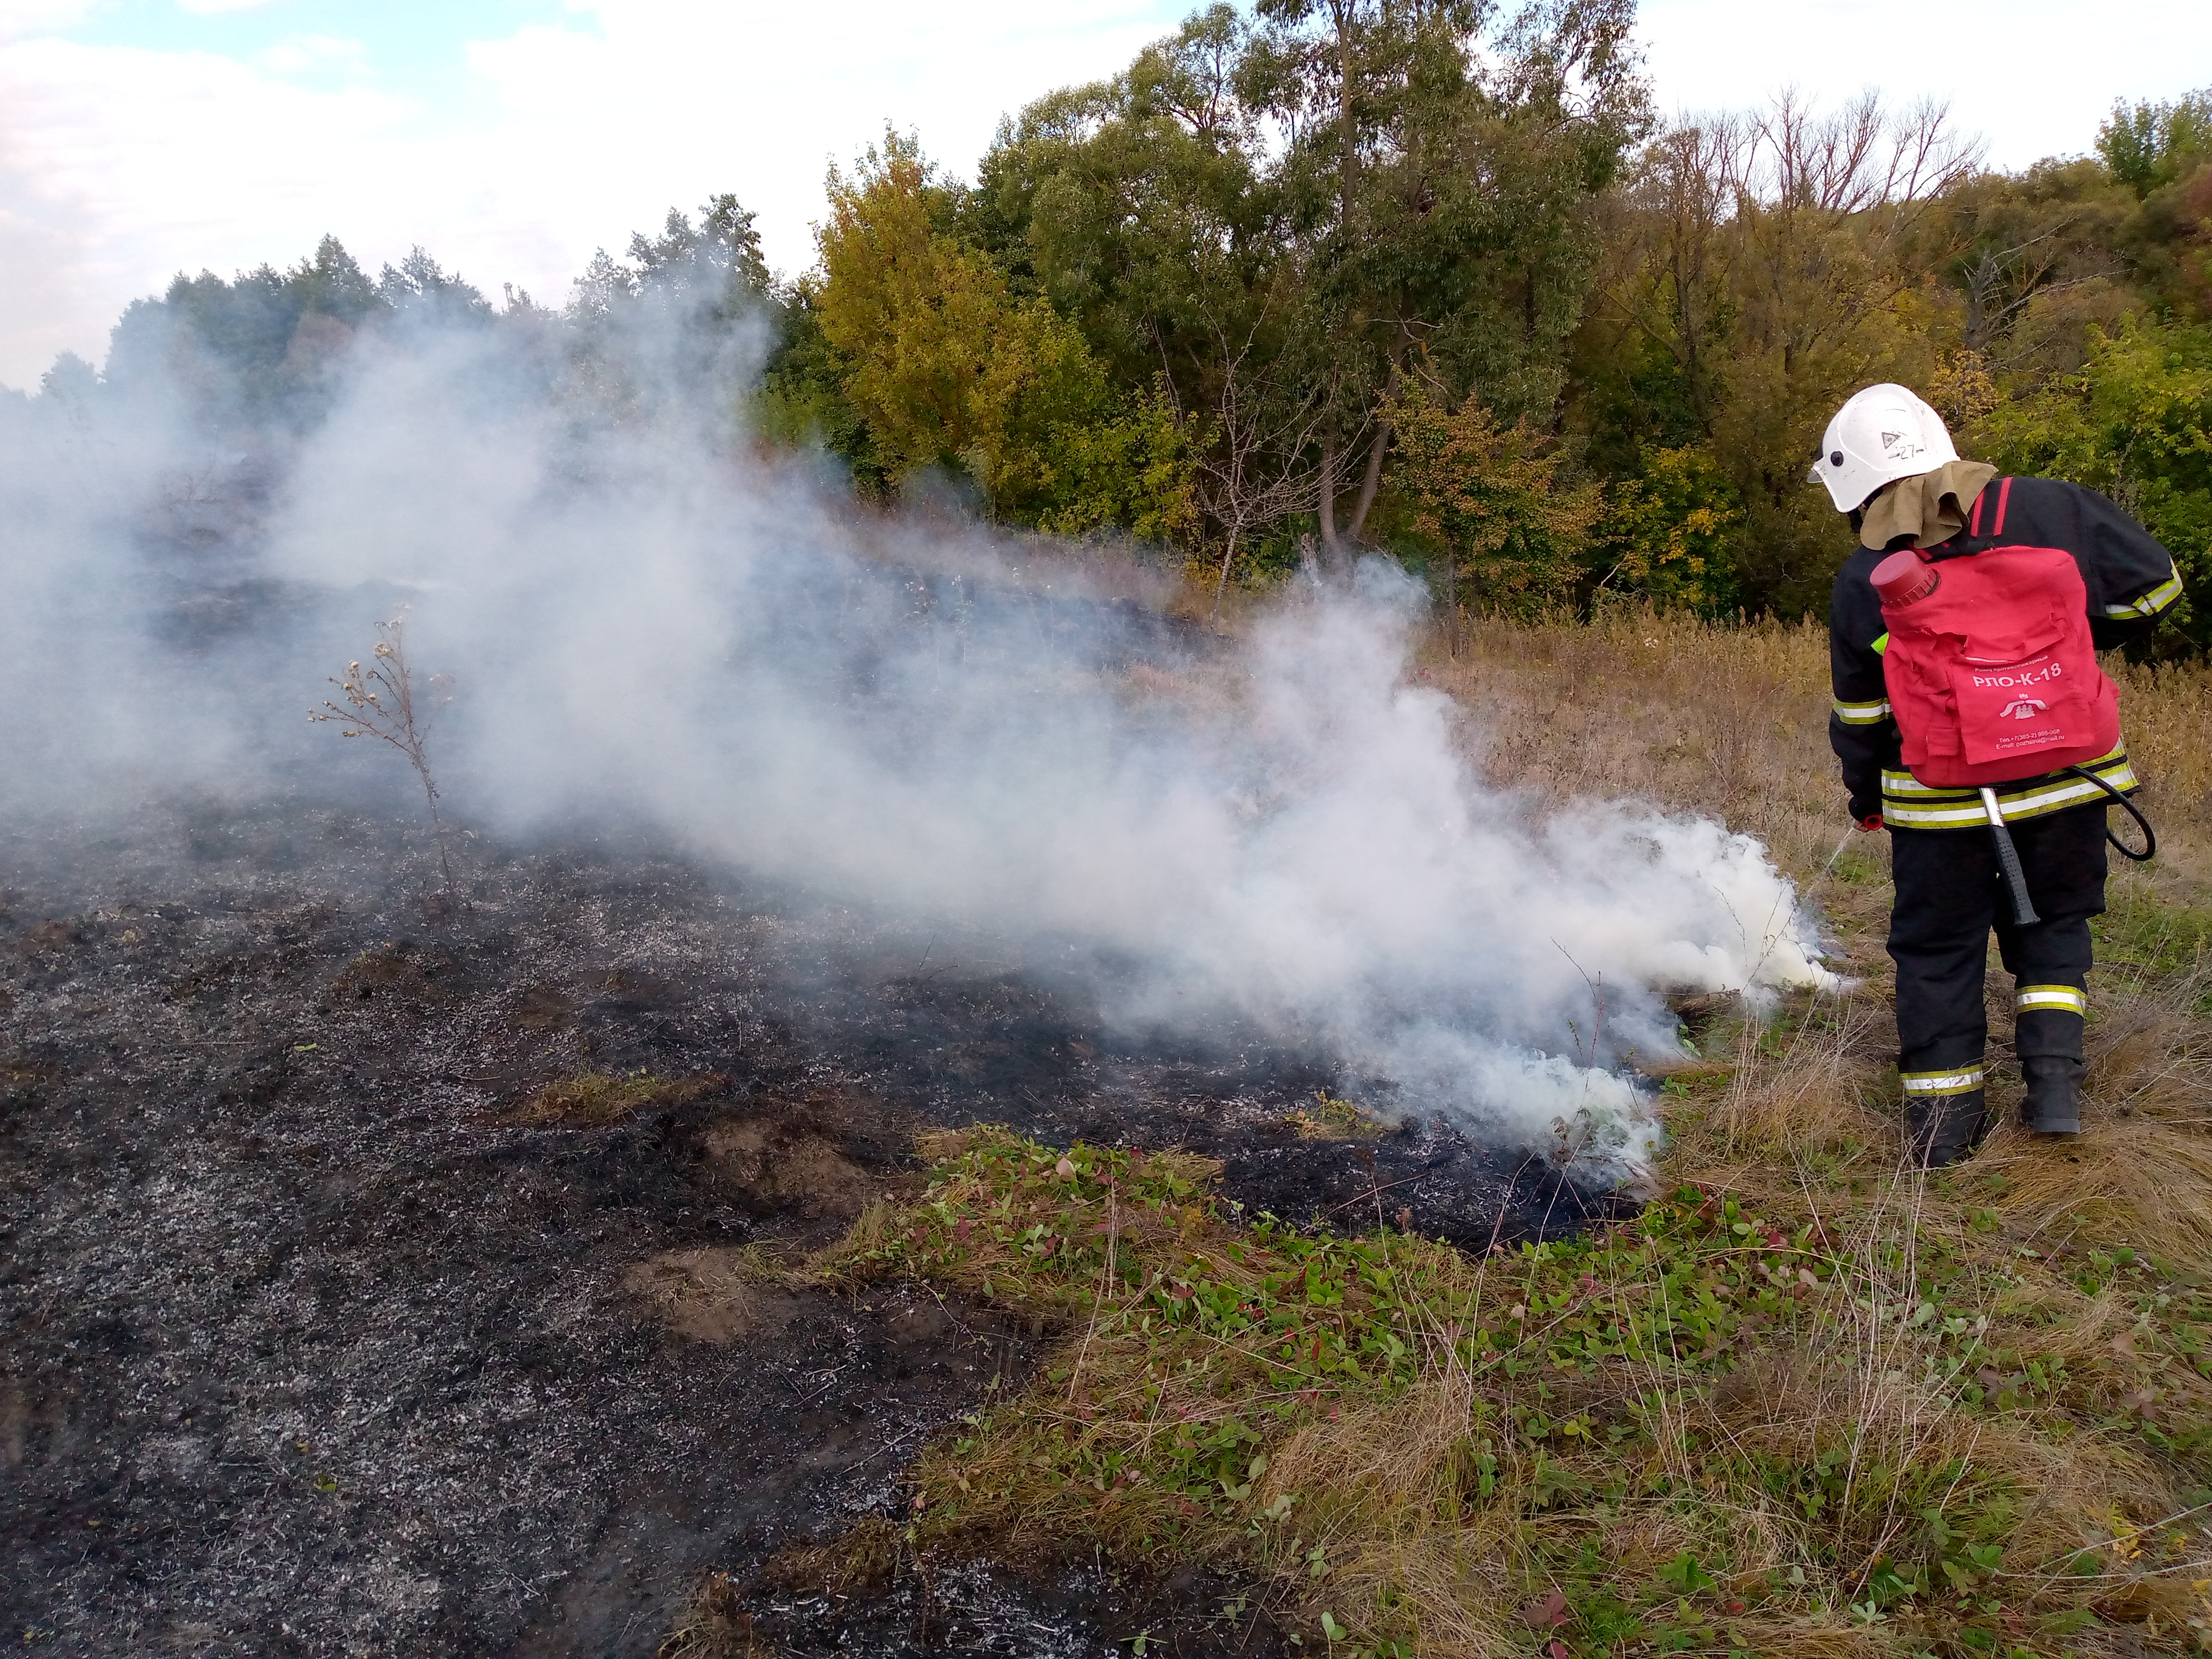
[512, 137]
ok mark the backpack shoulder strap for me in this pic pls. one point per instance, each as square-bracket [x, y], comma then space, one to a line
[2003, 488]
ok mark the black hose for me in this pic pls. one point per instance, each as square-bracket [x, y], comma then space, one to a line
[2023, 911]
[2150, 836]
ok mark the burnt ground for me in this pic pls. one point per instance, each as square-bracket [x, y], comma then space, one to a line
[314, 1345]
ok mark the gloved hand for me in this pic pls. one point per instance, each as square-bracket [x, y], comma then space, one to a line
[1872, 822]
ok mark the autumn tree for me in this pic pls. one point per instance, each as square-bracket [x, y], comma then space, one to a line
[1515, 526]
[1440, 165]
[952, 372]
[1761, 268]
[1274, 211]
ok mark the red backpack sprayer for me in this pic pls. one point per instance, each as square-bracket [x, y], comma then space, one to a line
[1993, 677]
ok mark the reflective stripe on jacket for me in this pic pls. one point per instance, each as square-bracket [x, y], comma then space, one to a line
[1908, 803]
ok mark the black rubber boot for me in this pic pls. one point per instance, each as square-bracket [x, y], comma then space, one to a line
[2053, 1106]
[1948, 1128]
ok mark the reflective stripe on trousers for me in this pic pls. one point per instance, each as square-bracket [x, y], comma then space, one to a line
[2054, 999]
[1919, 1083]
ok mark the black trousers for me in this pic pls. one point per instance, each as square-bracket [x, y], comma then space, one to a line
[1950, 893]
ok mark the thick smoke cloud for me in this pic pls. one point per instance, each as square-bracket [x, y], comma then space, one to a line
[648, 624]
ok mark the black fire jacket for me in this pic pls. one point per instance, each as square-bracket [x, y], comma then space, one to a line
[2131, 582]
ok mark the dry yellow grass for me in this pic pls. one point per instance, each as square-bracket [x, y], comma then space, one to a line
[593, 1099]
[1990, 1372]
[1732, 720]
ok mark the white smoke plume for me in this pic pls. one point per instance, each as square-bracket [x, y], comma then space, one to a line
[650, 626]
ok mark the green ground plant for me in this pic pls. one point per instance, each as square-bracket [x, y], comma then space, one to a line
[1881, 1420]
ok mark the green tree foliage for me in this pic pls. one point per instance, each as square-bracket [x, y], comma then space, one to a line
[2148, 146]
[690, 315]
[2159, 151]
[800, 403]
[708, 275]
[1439, 201]
[1669, 531]
[422, 291]
[691, 308]
[1413, 275]
[1136, 206]
[1264, 215]
[2135, 422]
[71, 380]
[1514, 533]
[952, 373]
[265, 346]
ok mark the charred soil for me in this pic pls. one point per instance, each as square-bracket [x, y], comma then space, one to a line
[381, 1276]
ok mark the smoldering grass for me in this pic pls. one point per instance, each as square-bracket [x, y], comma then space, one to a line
[1813, 1401]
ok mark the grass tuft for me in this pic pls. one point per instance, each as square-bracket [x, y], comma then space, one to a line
[715, 1624]
[593, 1099]
[1331, 1119]
[862, 1559]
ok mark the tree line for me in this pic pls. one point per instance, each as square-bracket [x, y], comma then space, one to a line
[1421, 276]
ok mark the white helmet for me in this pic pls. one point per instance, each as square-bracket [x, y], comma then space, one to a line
[1883, 432]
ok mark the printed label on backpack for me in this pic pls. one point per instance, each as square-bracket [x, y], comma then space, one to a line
[2016, 708]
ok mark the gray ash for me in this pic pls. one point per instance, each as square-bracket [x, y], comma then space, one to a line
[314, 1345]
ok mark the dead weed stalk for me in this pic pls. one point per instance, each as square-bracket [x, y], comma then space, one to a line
[380, 702]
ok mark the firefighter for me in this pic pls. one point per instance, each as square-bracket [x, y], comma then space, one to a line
[1888, 461]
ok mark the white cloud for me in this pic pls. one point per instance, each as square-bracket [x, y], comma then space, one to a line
[120, 166]
[683, 100]
[21, 17]
[126, 165]
[42, 276]
[2033, 77]
[299, 54]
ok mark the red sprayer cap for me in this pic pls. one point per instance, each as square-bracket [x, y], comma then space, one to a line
[1903, 577]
